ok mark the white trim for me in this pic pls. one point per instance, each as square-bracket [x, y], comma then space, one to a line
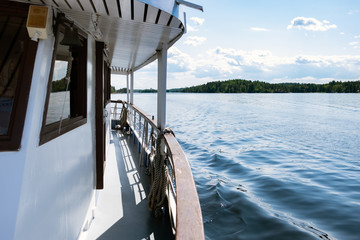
[161, 97]
[131, 87]
[127, 87]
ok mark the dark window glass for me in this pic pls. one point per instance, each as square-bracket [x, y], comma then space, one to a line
[107, 84]
[59, 102]
[12, 40]
[17, 56]
[65, 108]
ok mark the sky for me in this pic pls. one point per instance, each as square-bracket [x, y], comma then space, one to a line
[305, 41]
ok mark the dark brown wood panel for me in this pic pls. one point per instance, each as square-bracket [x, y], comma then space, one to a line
[100, 123]
[12, 140]
[107, 84]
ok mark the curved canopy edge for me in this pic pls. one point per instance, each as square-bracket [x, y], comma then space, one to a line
[133, 30]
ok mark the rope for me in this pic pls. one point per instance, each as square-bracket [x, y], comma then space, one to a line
[158, 176]
[67, 78]
[123, 117]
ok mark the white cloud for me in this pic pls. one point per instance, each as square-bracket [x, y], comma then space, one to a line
[179, 61]
[198, 21]
[357, 37]
[352, 12]
[355, 45]
[227, 63]
[311, 24]
[257, 29]
[190, 28]
[194, 40]
[180, 79]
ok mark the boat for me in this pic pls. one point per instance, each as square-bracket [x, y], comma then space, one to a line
[76, 164]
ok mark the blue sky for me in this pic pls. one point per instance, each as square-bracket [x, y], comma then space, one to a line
[313, 41]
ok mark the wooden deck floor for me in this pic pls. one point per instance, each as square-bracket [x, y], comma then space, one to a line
[122, 211]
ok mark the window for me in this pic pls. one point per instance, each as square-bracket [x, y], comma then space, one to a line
[65, 108]
[17, 56]
[107, 84]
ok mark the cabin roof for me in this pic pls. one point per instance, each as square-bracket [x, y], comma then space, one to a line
[132, 30]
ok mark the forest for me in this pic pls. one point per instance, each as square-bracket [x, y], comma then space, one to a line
[123, 90]
[58, 85]
[246, 86]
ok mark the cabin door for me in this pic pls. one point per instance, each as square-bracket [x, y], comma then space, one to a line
[102, 97]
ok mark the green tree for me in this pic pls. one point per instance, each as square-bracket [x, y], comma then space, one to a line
[59, 85]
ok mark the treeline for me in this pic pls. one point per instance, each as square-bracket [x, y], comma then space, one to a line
[58, 85]
[246, 86]
[123, 90]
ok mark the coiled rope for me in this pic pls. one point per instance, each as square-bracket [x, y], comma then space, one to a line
[158, 177]
[123, 117]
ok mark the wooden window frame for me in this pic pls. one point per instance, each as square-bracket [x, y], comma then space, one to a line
[12, 141]
[78, 97]
[100, 104]
[107, 83]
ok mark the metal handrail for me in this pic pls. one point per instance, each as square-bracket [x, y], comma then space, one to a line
[182, 196]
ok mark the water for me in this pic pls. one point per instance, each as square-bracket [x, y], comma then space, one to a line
[271, 166]
[59, 107]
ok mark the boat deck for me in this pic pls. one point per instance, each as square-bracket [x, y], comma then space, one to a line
[122, 211]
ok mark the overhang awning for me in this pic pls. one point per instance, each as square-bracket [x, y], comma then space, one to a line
[132, 30]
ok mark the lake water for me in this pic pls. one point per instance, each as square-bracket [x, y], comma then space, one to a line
[271, 166]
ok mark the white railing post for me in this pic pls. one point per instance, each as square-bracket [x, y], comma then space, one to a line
[161, 96]
[131, 87]
[127, 87]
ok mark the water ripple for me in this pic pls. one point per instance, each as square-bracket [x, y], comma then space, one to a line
[271, 166]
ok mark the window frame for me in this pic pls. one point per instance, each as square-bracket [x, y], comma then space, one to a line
[78, 100]
[107, 83]
[12, 140]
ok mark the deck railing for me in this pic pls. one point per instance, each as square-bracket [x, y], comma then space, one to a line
[183, 201]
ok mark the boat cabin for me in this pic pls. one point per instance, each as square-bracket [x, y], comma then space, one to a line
[74, 164]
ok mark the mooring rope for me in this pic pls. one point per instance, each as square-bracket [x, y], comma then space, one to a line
[158, 176]
[123, 117]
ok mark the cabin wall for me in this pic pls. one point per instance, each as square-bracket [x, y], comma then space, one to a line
[11, 176]
[13, 163]
[59, 176]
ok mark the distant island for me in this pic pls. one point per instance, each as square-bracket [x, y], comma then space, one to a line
[123, 90]
[247, 86]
